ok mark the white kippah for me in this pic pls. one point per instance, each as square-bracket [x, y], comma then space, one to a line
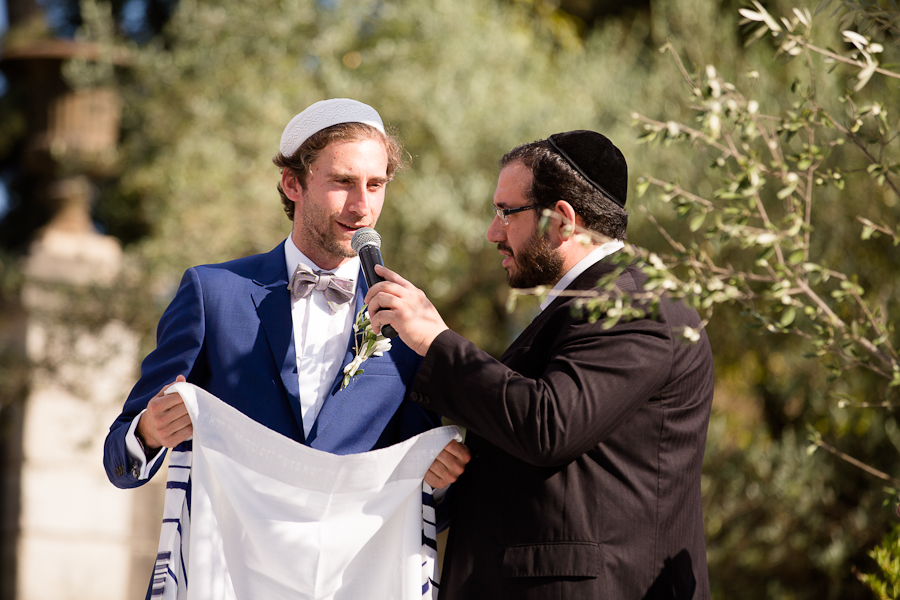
[326, 113]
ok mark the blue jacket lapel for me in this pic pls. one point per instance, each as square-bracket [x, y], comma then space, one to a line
[273, 305]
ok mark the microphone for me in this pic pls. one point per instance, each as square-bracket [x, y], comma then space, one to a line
[367, 244]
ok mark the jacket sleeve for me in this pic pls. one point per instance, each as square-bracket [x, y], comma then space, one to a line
[586, 383]
[179, 343]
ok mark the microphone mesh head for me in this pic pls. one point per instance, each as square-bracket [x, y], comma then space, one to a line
[365, 236]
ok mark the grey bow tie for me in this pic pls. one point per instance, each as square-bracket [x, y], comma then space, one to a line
[336, 289]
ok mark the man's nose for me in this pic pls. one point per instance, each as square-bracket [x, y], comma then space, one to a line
[359, 200]
[497, 231]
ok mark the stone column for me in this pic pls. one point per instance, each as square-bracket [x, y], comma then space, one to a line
[76, 537]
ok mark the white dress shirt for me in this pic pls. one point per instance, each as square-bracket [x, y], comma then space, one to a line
[598, 254]
[320, 335]
[320, 340]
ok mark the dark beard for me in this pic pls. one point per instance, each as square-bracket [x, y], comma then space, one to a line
[537, 264]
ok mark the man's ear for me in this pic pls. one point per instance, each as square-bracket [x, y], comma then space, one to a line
[291, 185]
[565, 226]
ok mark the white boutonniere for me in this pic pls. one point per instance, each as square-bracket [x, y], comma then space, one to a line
[366, 343]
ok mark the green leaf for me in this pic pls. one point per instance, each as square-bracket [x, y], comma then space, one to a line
[786, 191]
[787, 316]
[511, 301]
[696, 221]
[642, 186]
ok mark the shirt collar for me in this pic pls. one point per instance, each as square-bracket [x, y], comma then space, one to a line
[293, 257]
[598, 254]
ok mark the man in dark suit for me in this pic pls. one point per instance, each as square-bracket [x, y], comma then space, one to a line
[270, 334]
[587, 442]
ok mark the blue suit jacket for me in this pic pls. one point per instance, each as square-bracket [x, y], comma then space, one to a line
[229, 331]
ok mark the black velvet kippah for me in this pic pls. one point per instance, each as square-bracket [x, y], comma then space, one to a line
[597, 159]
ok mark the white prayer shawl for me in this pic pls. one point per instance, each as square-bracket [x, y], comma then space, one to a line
[253, 514]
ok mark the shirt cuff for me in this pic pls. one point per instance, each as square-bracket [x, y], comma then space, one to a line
[140, 468]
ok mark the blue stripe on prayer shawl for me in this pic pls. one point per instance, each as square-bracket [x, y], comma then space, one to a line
[159, 585]
[427, 541]
[187, 503]
[177, 528]
[159, 571]
[183, 570]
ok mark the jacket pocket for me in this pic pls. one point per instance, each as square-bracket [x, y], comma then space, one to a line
[552, 559]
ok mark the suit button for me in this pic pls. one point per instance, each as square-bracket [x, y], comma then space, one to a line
[420, 398]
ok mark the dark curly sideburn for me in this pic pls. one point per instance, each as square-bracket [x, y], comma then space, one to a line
[302, 160]
[555, 180]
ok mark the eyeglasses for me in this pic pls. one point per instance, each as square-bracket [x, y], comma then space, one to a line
[503, 213]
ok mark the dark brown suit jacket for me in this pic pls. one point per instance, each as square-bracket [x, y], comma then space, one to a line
[587, 445]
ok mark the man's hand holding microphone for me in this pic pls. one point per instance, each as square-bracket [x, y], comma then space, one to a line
[397, 307]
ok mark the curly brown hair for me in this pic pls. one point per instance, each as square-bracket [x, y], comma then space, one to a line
[302, 160]
[554, 179]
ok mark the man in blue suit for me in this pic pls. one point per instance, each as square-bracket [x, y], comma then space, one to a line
[270, 334]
